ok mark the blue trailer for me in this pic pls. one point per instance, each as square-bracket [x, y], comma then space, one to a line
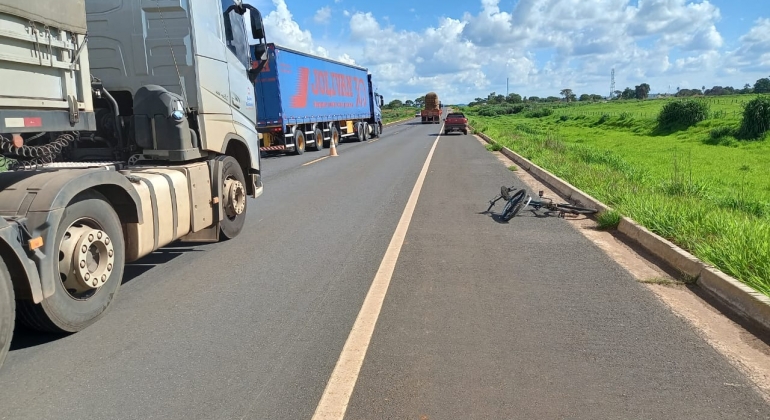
[309, 101]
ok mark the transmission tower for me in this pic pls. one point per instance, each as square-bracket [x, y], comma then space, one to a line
[612, 84]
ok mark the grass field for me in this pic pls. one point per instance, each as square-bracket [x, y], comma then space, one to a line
[390, 115]
[708, 193]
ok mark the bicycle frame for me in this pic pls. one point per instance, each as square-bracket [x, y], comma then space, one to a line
[517, 202]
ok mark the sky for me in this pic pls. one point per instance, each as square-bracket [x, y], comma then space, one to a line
[466, 49]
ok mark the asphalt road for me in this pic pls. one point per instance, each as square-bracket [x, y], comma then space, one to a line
[482, 319]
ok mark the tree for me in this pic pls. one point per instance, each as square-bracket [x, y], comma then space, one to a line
[514, 98]
[396, 103]
[585, 97]
[409, 103]
[642, 91]
[534, 99]
[746, 89]
[628, 93]
[419, 101]
[567, 94]
[762, 85]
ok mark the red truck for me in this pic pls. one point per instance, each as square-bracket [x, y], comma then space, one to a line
[455, 121]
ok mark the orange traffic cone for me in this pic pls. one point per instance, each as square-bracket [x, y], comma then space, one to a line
[332, 148]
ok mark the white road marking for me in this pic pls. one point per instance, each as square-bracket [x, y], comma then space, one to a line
[336, 396]
[314, 161]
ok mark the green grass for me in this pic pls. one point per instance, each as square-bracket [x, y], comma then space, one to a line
[608, 220]
[390, 115]
[699, 187]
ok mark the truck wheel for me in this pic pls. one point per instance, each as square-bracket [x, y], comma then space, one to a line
[91, 250]
[335, 136]
[375, 131]
[318, 135]
[299, 142]
[7, 311]
[360, 133]
[234, 201]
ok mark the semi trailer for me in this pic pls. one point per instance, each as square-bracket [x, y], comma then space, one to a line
[431, 112]
[307, 102]
[124, 126]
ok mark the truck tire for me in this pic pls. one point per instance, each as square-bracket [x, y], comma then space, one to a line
[318, 136]
[334, 137]
[7, 311]
[234, 201]
[360, 132]
[375, 131]
[299, 142]
[86, 289]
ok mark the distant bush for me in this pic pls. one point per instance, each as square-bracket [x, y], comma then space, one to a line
[539, 113]
[719, 133]
[684, 113]
[564, 117]
[756, 118]
[502, 109]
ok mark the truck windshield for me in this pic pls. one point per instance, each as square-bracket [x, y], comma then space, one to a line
[239, 40]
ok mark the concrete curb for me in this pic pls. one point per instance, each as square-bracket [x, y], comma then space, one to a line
[739, 297]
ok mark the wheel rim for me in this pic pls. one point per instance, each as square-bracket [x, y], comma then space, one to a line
[234, 197]
[301, 142]
[319, 139]
[86, 258]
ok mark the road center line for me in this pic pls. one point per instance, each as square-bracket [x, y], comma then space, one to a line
[336, 396]
[314, 161]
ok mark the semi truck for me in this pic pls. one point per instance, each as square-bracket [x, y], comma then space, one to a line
[431, 112]
[124, 126]
[307, 102]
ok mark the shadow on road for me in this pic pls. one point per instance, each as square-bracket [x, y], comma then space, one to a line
[159, 257]
[25, 337]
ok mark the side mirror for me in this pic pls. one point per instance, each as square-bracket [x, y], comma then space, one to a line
[260, 52]
[257, 27]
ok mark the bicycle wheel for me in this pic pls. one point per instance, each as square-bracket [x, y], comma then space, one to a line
[513, 206]
[569, 208]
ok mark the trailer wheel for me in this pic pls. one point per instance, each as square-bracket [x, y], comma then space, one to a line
[299, 141]
[91, 256]
[7, 311]
[335, 136]
[234, 201]
[375, 131]
[318, 136]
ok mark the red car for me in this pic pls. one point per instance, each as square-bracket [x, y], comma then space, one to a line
[455, 121]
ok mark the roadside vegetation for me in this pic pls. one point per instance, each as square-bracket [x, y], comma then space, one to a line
[694, 170]
[394, 114]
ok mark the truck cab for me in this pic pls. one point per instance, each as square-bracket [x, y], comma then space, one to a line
[142, 132]
[377, 102]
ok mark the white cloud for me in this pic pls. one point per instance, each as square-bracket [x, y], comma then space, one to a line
[541, 47]
[323, 15]
[754, 52]
[281, 28]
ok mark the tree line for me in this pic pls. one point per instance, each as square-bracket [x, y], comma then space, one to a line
[641, 91]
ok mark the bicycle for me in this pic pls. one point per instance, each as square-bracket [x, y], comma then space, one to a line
[516, 202]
